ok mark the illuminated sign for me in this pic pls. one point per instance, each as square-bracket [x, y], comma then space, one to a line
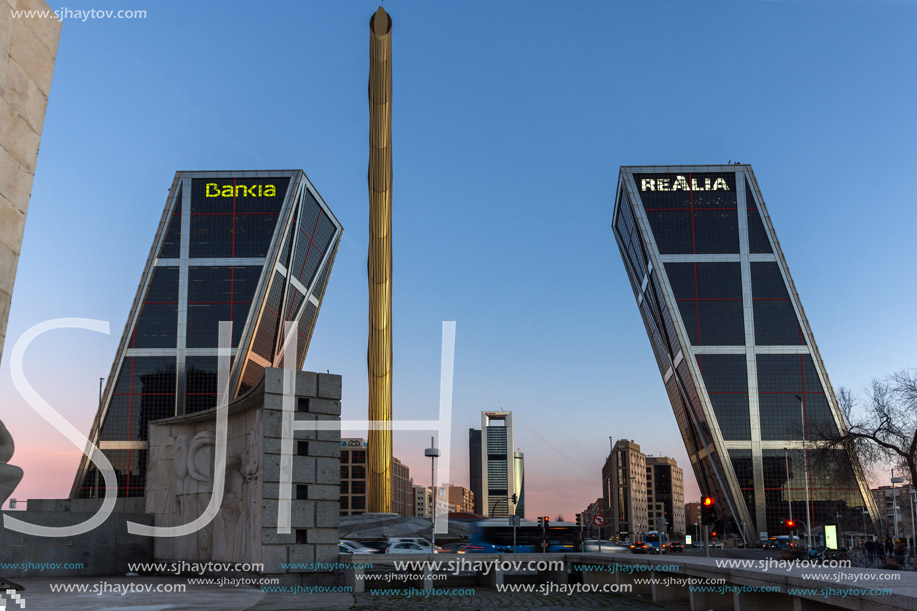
[682, 183]
[215, 190]
[831, 536]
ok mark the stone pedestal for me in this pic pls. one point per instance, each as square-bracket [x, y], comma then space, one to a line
[180, 479]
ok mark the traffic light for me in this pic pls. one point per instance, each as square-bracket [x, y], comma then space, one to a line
[707, 512]
[579, 519]
[790, 523]
[547, 522]
[541, 520]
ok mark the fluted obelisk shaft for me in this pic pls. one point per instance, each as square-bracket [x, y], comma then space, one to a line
[379, 264]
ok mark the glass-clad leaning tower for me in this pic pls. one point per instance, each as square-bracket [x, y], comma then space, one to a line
[255, 248]
[739, 362]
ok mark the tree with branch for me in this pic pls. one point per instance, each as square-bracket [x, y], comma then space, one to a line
[881, 426]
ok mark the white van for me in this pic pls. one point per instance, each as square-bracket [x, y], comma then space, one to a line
[426, 545]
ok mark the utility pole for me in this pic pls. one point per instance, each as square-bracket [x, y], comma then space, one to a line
[432, 452]
[802, 414]
[789, 491]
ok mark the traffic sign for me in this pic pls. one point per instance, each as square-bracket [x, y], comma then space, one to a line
[598, 520]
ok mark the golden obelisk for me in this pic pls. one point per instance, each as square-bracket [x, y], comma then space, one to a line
[379, 264]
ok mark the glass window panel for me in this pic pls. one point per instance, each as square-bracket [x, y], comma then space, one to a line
[767, 282]
[719, 281]
[672, 231]
[171, 244]
[252, 234]
[757, 235]
[732, 416]
[716, 231]
[211, 235]
[204, 324]
[156, 326]
[776, 324]
[721, 323]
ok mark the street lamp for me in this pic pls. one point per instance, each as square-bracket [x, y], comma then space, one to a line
[913, 532]
[805, 457]
[895, 480]
[433, 453]
[789, 491]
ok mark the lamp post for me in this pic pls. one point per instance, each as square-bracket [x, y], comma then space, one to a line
[913, 532]
[895, 480]
[805, 456]
[433, 453]
[789, 491]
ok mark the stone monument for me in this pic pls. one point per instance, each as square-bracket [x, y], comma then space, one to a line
[10, 475]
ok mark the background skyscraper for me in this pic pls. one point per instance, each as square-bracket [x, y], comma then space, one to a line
[497, 463]
[519, 483]
[474, 467]
[733, 345]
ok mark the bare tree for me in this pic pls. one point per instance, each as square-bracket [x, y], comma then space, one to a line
[881, 427]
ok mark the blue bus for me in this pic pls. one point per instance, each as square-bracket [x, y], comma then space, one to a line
[497, 535]
[654, 539]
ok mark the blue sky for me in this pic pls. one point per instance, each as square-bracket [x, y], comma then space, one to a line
[510, 122]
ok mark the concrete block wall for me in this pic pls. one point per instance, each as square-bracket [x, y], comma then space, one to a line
[315, 511]
[106, 550]
[28, 48]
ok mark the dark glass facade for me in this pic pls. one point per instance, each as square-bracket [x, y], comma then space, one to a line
[734, 350]
[253, 248]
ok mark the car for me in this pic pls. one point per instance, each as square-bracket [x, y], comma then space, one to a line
[406, 548]
[357, 548]
[675, 546]
[426, 545]
[379, 546]
[640, 548]
[481, 548]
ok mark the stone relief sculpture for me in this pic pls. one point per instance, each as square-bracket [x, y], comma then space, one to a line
[250, 518]
[230, 536]
[10, 475]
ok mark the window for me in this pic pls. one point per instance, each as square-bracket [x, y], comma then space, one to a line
[709, 297]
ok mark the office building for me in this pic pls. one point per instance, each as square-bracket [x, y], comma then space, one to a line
[593, 509]
[402, 484]
[665, 494]
[519, 483]
[497, 466]
[461, 498]
[692, 515]
[423, 501]
[252, 248]
[474, 468]
[354, 480]
[885, 498]
[624, 491]
[733, 345]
